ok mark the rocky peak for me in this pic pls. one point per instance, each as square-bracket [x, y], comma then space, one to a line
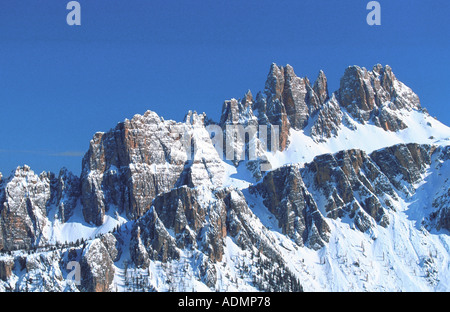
[366, 96]
[142, 157]
[275, 81]
[386, 76]
[26, 200]
[292, 102]
[321, 87]
[194, 119]
[355, 91]
[235, 112]
[248, 98]
[375, 95]
[284, 86]
[24, 208]
[68, 192]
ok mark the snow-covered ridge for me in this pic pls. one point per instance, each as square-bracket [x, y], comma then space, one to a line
[356, 198]
[243, 234]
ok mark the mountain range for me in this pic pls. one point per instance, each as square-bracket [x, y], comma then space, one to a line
[341, 191]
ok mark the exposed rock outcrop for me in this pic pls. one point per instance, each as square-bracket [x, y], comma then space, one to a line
[200, 219]
[26, 199]
[286, 196]
[376, 95]
[351, 184]
[192, 220]
[6, 267]
[142, 157]
[404, 163]
[440, 217]
[24, 208]
[68, 192]
[164, 188]
[97, 269]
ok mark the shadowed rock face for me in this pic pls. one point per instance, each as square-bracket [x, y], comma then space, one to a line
[348, 183]
[194, 221]
[328, 121]
[68, 192]
[320, 89]
[404, 163]
[6, 267]
[97, 268]
[286, 196]
[440, 217]
[175, 201]
[364, 186]
[351, 184]
[199, 219]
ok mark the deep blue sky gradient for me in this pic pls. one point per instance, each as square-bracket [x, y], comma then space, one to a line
[60, 84]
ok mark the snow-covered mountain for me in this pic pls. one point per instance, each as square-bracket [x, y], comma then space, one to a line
[294, 189]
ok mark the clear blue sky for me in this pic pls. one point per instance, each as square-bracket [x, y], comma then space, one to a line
[60, 84]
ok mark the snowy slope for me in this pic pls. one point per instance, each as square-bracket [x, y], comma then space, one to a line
[422, 129]
[144, 216]
[404, 256]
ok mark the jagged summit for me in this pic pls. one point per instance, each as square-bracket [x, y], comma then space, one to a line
[291, 102]
[338, 181]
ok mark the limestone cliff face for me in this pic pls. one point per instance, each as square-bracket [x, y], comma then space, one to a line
[6, 268]
[376, 95]
[351, 185]
[193, 221]
[287, 102]
[23, 213]
[328, 121]
[191, 218]
[128, 166]
[97, 270]
[27, 199]
[200, 220]
[404, 163]
[440, 217]
[174, 203]
[67, 193]
[286, 196]
[290, 102]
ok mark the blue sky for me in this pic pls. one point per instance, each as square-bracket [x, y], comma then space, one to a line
[60, 84]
